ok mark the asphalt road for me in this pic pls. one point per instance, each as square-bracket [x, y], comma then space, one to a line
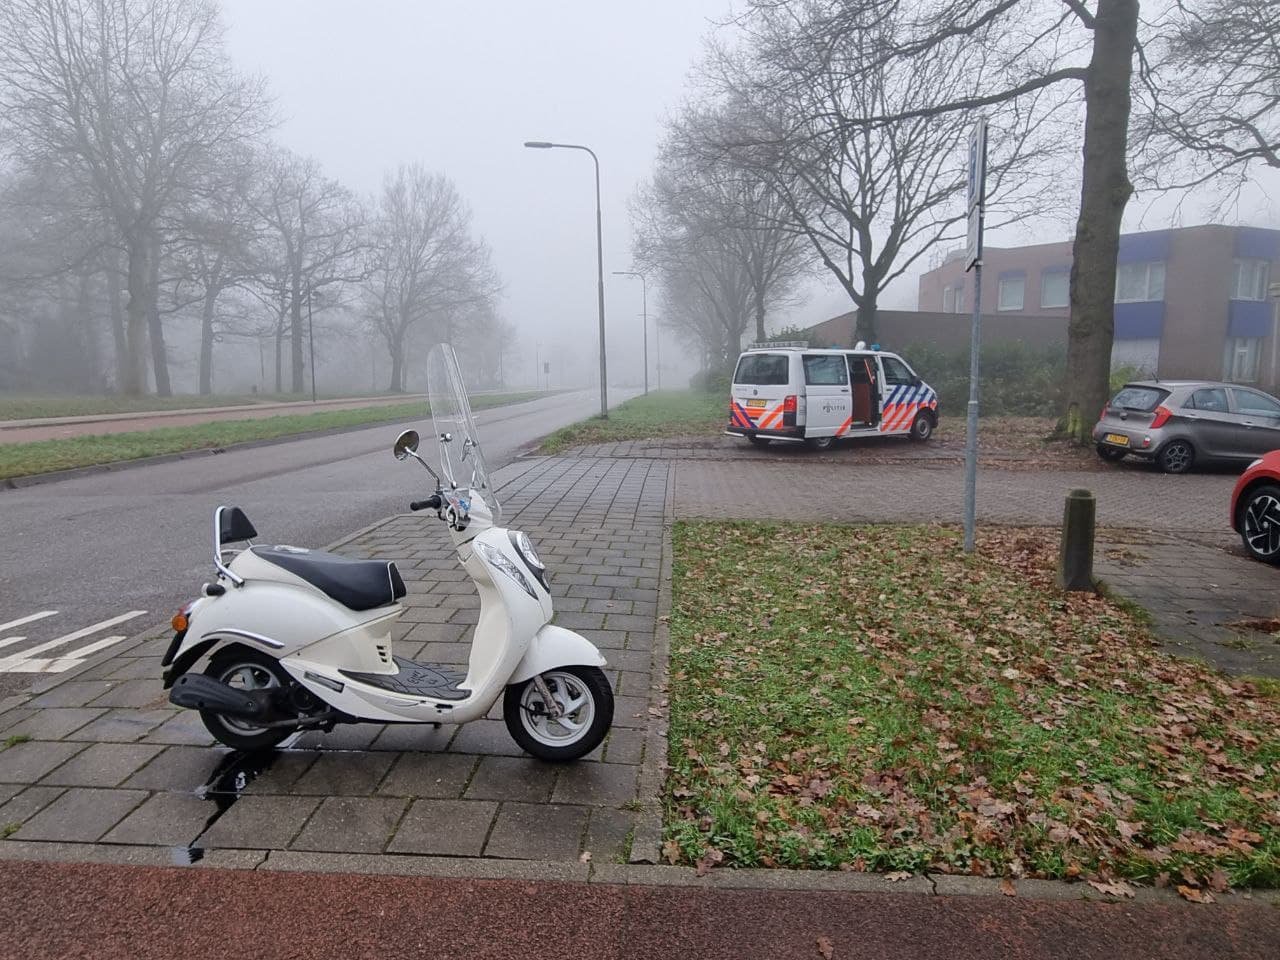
[136, 543]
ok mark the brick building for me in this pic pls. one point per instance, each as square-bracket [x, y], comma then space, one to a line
[1190, 302]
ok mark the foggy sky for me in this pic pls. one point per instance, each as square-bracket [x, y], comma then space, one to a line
[364, 86]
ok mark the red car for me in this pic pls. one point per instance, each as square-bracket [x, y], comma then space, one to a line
[1255, 508]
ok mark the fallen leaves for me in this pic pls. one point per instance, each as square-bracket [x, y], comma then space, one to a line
[866, 698]
[1113, 888]
[826, 948]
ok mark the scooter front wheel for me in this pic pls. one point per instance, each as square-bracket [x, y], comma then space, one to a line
[582, 694]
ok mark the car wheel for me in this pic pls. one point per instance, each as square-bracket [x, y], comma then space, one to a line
[1260, 523]
[1176, 456]
[1111, 454]
[922, 427]
[820, 443]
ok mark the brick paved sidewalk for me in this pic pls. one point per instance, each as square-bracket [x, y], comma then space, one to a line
[109, 761]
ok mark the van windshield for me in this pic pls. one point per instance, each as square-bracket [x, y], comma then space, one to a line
[762, 369]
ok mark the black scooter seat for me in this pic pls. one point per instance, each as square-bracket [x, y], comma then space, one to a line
[356, 584]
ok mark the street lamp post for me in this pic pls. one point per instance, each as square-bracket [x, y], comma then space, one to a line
[644, 301]
[547, 145]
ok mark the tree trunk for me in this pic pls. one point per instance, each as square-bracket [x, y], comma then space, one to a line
[135, 380]
[159, 356]
[867, 327]
[1104, 192]
[759, 297]
[206, 340]
[396, 349]
[116, 316]
[295, 330]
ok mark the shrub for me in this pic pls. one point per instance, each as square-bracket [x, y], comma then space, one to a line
[1016, 380]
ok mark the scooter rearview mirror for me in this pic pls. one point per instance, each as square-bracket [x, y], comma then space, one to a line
[406, 445]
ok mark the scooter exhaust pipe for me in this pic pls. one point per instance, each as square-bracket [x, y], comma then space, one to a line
[198, 692]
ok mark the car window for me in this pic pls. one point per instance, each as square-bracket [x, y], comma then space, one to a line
[895, 371]
[1144, 399]
[1213, 399]
[1257, 403]
[825, 371]
[763, 369]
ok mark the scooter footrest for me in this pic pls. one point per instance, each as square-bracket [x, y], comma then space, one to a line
[416, 680]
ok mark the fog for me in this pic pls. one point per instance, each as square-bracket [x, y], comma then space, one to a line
[359, 112]
[460, 88]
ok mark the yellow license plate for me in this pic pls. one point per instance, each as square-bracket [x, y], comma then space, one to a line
[1119, 439]
[757, 404]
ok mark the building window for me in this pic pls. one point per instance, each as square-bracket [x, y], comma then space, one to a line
[960, 299]
[1240, 359]
[948, 300]
[1011, 292]
[1138, 282]
[1055, 289]
[1249, 281]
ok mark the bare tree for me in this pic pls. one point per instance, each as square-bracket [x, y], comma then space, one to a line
[424, 263]
[129, 95]
[1210, 98]
[316, 237]
[219, 236]
[870, 201]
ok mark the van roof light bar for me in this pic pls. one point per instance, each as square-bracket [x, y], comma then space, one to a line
[779, 345]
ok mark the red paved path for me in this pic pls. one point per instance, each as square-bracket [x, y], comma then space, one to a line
[78, 910]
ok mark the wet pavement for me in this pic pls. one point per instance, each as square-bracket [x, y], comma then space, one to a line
[104, 912]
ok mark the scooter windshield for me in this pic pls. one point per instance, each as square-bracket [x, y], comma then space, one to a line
[461, 460]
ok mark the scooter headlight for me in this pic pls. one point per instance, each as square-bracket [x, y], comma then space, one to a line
[499, 561]
[525, 548]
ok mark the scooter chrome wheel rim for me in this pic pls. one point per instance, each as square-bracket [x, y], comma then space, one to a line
[570, 693]
[247, 676]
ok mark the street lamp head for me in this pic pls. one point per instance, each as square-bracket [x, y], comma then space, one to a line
[539, 144]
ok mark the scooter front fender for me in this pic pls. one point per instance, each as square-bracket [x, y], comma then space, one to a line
[554, 647]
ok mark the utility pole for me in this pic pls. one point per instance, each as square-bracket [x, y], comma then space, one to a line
[311, 340]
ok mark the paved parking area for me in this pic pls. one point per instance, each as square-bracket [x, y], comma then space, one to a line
[102, 758]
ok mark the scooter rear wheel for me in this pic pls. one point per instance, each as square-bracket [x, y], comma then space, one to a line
[585, 691]
[248, 670]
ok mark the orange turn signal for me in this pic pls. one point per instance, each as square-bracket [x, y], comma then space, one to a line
[179, 622]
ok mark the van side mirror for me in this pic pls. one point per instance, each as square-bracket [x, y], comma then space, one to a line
[916, 381]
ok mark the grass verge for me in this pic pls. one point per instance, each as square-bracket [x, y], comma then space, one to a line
[34, 407]
[666, 413]
[868, 698]
[43, 456]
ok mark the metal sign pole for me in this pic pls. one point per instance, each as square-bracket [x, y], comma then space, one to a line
[976, 197]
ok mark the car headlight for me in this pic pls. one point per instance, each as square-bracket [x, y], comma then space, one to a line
[499, 560]
[525, 548]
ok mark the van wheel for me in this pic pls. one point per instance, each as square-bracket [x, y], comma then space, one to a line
[758, 441]
[819, 443]
[922, 427]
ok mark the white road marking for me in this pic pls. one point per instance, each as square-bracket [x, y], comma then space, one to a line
[10, 641]
[21, 620]
[25, 662]
[91, 648]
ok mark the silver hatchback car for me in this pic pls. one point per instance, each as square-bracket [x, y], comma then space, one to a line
[1183, 422]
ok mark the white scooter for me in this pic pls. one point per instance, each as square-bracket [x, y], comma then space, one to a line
[300, 639]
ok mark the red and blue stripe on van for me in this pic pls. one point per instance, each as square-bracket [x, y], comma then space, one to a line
[902, 405]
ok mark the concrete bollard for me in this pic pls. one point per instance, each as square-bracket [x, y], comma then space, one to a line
[1075, 557]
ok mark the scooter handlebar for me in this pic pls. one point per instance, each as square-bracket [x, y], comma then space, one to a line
[431, 503]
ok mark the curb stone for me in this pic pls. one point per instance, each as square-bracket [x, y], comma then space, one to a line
[466, 868]
[646, 843]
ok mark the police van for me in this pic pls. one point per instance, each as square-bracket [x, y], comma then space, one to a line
[791, 393]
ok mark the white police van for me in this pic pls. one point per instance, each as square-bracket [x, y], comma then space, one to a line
[789, 392]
